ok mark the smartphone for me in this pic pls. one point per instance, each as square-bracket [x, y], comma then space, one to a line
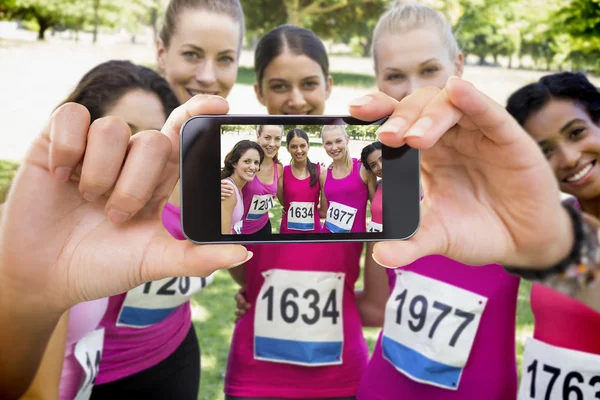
[287, 179]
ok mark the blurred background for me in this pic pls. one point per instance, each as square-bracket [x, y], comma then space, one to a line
[47, 45]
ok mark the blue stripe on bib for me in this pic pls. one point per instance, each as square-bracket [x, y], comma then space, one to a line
[297, 351]
[418, 366]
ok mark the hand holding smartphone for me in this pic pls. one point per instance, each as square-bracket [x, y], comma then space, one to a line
[295, 178]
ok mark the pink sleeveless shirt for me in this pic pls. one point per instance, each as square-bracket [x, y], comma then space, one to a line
[350, 191]
[83, 319]
[257, 188]
[238, 210]
[250, 377]
[377, 205]
[579, 325]
[130, 350]
[299, 190]
[490, 372]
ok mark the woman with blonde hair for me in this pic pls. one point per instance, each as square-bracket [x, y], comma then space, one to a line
[448, 326]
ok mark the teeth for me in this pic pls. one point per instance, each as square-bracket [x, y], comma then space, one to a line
[580, 174]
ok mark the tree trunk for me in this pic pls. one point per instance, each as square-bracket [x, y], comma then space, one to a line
[366, 46]
[43, 27]
[293, 12]
[481, 60]
[510, 62]
[96, 20]
[495, 59]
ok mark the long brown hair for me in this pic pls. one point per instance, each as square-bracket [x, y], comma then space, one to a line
[236, 153]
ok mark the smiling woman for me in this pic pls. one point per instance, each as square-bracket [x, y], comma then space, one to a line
[292, 72]
[194, 61]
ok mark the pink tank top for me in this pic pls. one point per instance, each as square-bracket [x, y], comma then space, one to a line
[492, 359]
[350, 191]
[299, 190]
[579, 325]
[377, 205]
[238, 210]
[130, 350]
[83, 319]
[251, 223]
[250, 377]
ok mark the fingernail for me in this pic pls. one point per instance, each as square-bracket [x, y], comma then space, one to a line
[117, 216]
[419, 128]
[383, 265]
[250, 254]
[393, 125]
[361, 101]
[63, 173]
[90, 197]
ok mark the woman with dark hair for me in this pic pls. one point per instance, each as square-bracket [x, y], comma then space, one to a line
[370, 158]
[273, 354]
[299, 190]
[143, 100]
[151, 347]
[292, 72]
[241, 165]
[562, 113]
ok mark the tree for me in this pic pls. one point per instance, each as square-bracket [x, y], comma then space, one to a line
[355, 21]
[46, 13]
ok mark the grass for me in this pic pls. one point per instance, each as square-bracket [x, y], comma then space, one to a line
[247, 76]
[213, 313]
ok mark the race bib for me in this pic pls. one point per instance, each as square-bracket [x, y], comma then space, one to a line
[298, 318]
[260, 205]
[88, 352]
[340, 218]
[429, 329]
[555, 373]
[154, 301]
[301, 216]
[374, 227]
[237, 227]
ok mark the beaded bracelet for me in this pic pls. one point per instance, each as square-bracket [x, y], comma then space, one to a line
[581, 268]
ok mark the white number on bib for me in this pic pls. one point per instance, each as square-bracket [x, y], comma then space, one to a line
[301, 216]
[340, 217]
[555, 373]
[374, 227]
[88, 352]
[429, 329]
[260, 205]
[298, 318]
[154, 301]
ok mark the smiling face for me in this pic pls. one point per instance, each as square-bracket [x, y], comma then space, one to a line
[142, 110]
[412, 60]
[298, 149]
[294, 84]
[335, 143]
[269, 139]
[571, 142]
[247, 166]
[375, 163]
[202, 56]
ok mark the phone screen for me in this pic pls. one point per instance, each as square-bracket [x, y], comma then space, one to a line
[290, 179]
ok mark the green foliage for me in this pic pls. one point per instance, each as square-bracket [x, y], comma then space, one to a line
[8, 169]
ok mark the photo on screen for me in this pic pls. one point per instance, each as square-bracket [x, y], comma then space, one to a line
[290, 179]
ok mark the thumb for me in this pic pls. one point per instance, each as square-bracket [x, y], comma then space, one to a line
[168, 257]
[428, 240]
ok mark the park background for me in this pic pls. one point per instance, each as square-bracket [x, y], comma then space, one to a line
[47, 45]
